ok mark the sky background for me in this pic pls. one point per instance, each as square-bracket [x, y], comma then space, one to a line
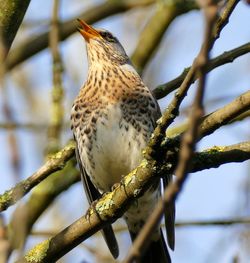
[211, 194]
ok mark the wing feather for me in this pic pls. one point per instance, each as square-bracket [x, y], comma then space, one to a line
[93, 194]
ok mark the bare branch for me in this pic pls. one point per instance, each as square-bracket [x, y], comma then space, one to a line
[225, 115]
[227, 57]
[218, 222]
[182, 223]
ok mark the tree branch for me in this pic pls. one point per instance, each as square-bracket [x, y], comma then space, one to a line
[225, 115]
[219, 222]
[218, 155]
[181, 223]
[57, 94]
[55, 163]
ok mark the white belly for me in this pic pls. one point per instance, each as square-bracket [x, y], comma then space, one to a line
[116, 151]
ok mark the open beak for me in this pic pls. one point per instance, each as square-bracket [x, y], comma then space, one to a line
[87, 31]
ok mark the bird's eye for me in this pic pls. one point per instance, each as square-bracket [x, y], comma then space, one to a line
[107, 36]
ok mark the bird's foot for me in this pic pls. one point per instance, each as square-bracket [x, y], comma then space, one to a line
[91, 209]
[114, 186]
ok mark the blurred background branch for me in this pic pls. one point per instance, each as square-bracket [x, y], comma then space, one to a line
[36, 44]
[57, 110]
[11, 17]
[151, 36]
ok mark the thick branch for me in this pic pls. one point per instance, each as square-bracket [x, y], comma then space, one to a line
[36, 44]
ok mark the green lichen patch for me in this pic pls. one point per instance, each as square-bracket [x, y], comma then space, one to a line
[215, 149]
[5, 199]
[39, 252]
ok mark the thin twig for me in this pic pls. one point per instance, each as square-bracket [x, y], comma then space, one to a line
[187, 148]
[182, 223]
[227, 57]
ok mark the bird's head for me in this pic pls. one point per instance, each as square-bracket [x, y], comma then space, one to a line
[102, 46]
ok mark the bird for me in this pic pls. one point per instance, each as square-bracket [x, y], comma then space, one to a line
[112, 119]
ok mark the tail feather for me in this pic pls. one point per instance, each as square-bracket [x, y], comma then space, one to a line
[110, 239]
[157, 251]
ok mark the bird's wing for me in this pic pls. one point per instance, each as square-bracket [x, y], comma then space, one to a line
[92, 195]
[169, 216]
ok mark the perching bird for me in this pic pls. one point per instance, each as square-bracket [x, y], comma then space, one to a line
[112, 119]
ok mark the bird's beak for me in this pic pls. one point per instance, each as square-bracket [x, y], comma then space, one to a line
[87, 31]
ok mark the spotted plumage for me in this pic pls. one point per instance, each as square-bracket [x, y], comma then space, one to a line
[112, 119]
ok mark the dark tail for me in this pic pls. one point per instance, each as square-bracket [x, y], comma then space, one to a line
[110, 239]
[157, 251]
